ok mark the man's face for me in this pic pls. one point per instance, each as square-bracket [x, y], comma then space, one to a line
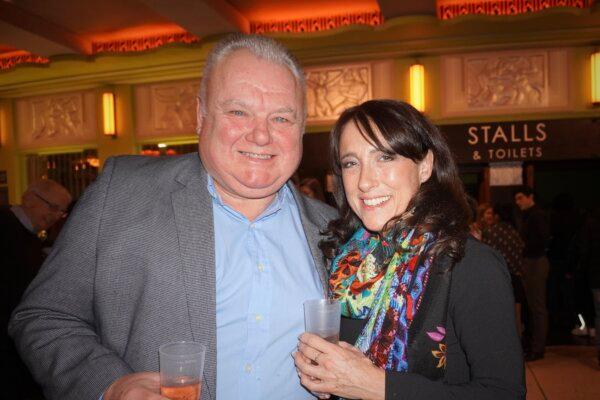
[250, 135]
[524, 202]
[45, 209]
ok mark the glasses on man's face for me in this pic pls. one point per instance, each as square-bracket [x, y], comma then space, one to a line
[53, 207]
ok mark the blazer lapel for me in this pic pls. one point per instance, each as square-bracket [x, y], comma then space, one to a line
[192, 207]
[312, 225]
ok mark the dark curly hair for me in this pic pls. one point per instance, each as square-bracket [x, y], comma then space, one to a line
[439, 206]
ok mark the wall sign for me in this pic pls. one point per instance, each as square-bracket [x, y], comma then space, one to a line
[524, 141]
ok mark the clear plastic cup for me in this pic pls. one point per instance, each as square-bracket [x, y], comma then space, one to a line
[322, 318]
[181, 368]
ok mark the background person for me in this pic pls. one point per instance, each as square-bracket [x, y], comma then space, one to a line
[43, 204]
[218, 249]
[501, 234]
[429, 309]
[535, 233]
[312, 188]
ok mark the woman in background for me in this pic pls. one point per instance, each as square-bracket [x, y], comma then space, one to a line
[501, 234]
[312, 188]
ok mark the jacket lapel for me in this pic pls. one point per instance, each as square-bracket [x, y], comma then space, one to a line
[313, 225]
[192, 207]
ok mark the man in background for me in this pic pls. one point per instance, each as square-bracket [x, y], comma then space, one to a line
[42, 205]
[535, 233]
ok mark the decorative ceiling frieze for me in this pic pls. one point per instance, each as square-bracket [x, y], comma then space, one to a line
[12, 59]
[142, 43]
[372, 18]
[448, 9]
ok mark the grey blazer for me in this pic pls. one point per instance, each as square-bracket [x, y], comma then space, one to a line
[133, 268]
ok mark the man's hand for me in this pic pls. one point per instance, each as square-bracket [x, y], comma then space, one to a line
[138, 386]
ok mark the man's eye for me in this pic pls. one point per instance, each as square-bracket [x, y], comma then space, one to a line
[237, 113]
[281, 120]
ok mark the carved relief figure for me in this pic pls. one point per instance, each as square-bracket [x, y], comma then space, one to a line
[174, 106]
[506, 81]
[331, 90]
[57, 117]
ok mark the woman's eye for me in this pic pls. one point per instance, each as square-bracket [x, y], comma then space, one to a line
[387, 157]
[348, 164]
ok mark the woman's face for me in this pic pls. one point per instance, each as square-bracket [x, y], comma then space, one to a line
[488, 216]
[378, 185]
[308, 191]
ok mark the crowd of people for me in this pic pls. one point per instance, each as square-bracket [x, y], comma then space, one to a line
[221, 248]
[554, 270]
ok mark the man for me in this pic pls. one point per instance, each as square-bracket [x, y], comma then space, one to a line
[42, 205]
[535, 233]
[218, 250]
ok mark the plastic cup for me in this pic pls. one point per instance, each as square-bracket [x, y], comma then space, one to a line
[181, 367]
[322, 318]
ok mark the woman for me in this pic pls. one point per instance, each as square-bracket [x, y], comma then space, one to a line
[501, 234]
[430, 311]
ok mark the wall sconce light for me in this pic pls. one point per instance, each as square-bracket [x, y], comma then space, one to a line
[108, 114]
[595, 67]
[417, 86]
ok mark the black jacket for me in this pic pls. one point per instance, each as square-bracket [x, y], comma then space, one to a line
[535, 232]
[483, 352]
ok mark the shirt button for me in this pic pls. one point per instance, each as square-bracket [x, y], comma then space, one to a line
[248, 368]
[258, 317]
[261, 268]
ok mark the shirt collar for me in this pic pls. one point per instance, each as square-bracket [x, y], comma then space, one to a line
[23, 218]
[283, 195]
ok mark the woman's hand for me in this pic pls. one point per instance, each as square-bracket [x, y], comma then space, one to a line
[341, 370]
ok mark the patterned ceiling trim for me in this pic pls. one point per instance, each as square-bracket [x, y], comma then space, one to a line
[373, 18]
[452, 9]
[12, 59]
[142, 43]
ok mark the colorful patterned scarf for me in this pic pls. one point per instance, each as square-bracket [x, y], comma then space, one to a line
[383, 283]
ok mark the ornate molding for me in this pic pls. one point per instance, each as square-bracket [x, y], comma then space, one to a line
[505, 82]
[448, 9]
[142, 43]
[513, 80]
[332, 89]
[373, 18]
[167, 109]
[10, 60]
[61, 120]
[57, 117]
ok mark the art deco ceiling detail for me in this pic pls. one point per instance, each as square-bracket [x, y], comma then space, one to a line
[448, 9]
[33, 31]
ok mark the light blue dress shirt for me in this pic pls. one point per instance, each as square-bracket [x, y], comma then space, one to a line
[264, 272]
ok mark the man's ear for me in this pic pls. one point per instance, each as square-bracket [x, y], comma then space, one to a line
[199, 116]
[426, 167]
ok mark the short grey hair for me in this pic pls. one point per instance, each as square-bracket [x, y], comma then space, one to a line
[260, 46]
